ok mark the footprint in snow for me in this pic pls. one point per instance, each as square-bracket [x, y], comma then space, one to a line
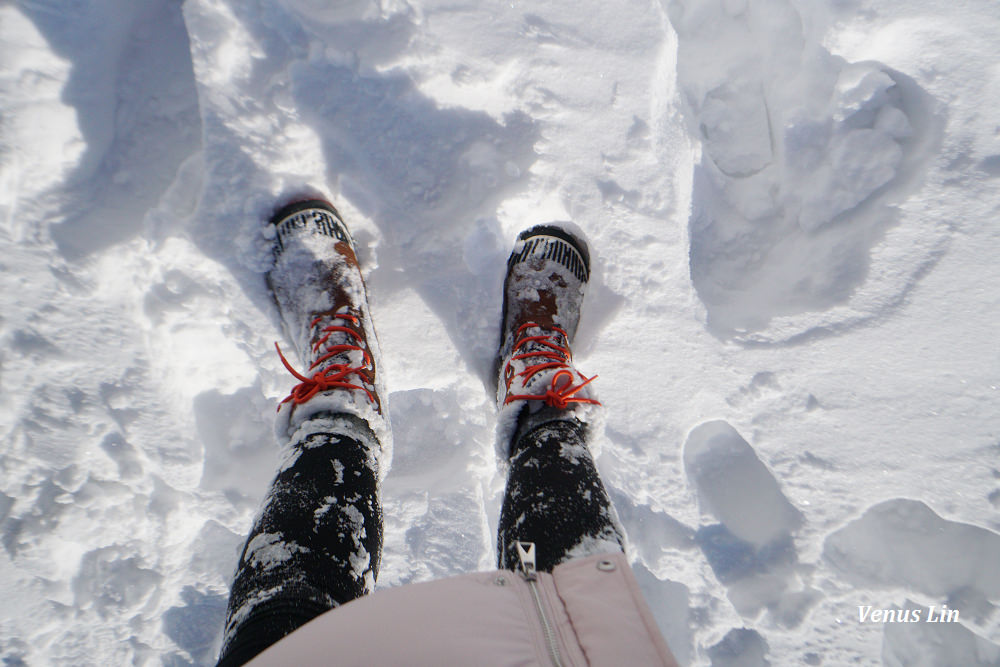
[802, 152]
[902, 543]
[750, 549]
[741, 647]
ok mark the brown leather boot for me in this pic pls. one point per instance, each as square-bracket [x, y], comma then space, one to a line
[547, 276]
[321, 297]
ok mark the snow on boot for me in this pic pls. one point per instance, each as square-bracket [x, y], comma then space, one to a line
[321, 297]
[547, 276]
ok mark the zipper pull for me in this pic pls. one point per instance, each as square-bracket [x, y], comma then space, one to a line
[526, 554]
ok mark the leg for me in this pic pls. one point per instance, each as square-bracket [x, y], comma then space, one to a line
[317, 542]
[555, 498]
[554, 495]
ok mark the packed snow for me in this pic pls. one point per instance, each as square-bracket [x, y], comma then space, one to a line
[794, 313]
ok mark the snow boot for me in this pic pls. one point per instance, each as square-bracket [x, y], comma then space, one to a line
[321, 297]
[547, 276]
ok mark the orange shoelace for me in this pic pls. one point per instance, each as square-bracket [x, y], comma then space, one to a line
[335, 375]
[561, 390]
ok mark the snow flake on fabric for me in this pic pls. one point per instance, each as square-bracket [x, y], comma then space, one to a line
[268, 550]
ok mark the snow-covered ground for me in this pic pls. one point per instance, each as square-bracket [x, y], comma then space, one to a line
[793, 212]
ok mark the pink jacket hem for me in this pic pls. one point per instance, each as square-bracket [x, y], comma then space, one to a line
[594, 610]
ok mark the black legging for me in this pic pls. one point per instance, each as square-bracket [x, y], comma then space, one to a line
[574, 512]
[318, 540]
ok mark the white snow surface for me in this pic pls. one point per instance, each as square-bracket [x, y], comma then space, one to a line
[792, 209]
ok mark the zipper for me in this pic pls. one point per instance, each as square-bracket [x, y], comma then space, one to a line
[526, 554]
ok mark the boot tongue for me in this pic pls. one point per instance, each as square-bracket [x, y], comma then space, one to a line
[546, 276]
[326, 333]
[338, 358]
[542, 338]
